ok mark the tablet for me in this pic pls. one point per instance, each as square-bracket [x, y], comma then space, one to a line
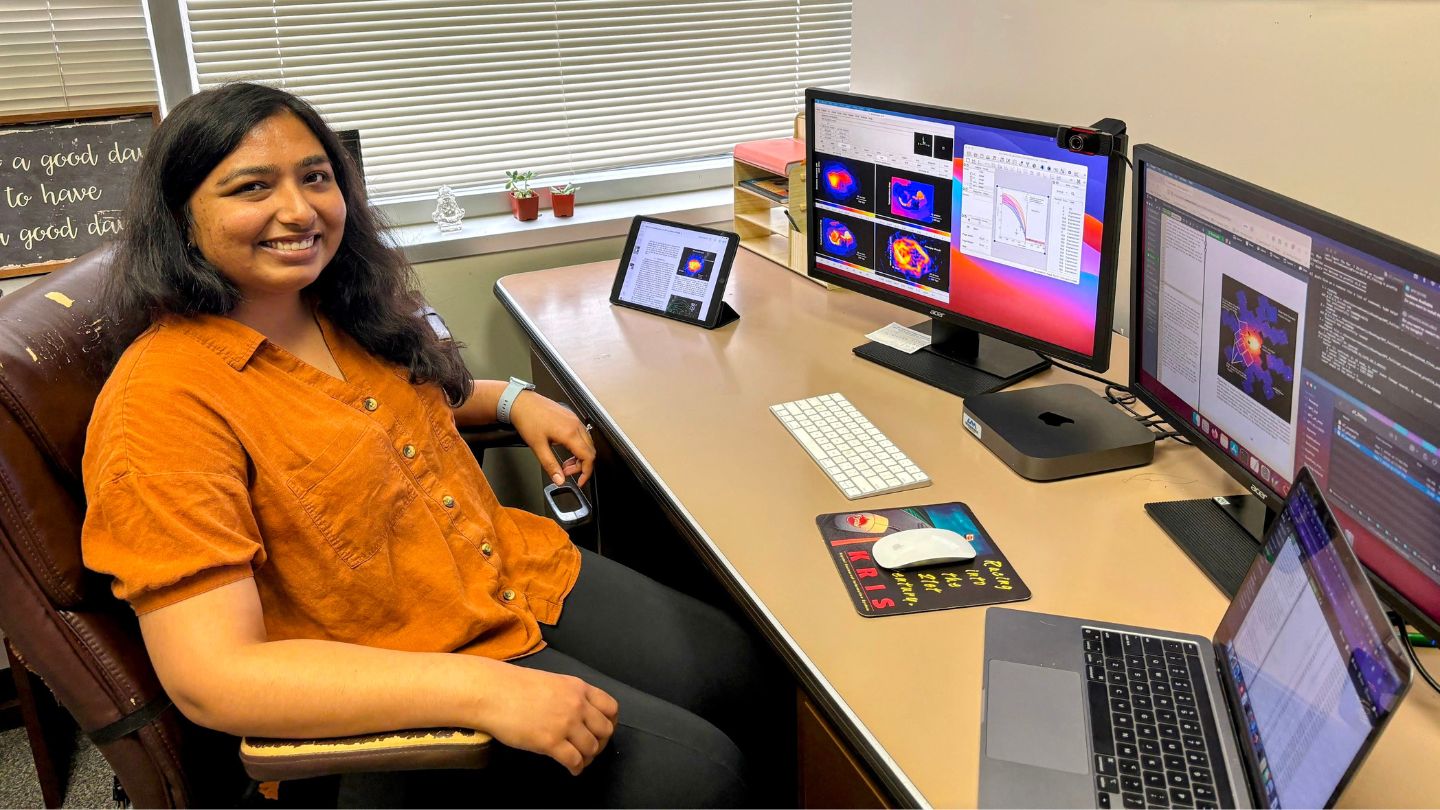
[678, 271]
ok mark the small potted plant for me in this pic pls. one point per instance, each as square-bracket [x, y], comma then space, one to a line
[562, 199]
[524, 203]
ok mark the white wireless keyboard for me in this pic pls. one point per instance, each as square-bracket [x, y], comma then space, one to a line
[853, 452]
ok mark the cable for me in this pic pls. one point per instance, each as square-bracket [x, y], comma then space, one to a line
[1410, 649]
[1122, 395]
[1096, 377]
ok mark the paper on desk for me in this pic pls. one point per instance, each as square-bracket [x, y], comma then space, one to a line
[900, 337]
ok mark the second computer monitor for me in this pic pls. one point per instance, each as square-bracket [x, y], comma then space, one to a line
[1276, 337]
[982, 222]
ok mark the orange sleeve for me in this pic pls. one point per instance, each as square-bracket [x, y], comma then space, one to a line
[169, 510]
[168, 536]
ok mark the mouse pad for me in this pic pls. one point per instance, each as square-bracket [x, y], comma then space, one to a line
[989, 579]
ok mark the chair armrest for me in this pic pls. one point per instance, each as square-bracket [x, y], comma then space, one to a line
[269, 760]
[495, 434]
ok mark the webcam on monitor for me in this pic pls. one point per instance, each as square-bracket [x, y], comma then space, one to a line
[1098, 139]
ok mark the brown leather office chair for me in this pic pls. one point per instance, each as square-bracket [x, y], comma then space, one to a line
[63, 620]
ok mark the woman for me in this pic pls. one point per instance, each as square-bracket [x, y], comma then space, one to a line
[278, 488]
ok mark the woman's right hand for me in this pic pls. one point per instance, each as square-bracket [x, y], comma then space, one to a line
[558, 716]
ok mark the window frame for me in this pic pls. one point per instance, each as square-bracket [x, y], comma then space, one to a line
[178, 78]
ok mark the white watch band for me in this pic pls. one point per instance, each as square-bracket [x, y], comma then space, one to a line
[507, 399]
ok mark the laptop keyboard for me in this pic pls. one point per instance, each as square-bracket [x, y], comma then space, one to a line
[1154, 736]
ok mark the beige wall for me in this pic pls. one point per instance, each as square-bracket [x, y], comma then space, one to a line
[1333, 102]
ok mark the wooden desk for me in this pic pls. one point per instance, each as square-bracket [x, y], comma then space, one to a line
[688, 409]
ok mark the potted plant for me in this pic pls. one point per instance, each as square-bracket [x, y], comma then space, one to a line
[524, 203]
[562, 199]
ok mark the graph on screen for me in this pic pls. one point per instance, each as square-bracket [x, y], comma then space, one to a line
[1023, 211]
[1022, 219]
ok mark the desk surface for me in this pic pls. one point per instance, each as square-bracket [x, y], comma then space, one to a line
[691, 407]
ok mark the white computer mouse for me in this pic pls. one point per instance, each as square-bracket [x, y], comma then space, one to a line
[913, 548]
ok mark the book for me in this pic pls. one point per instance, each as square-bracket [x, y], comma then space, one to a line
[774, 155]
[771, 188]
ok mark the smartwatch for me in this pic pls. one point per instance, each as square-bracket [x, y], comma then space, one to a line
[507, 399]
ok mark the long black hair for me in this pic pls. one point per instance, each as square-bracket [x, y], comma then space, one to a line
[368, 289]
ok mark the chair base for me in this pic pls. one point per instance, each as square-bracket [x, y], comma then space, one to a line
[48, 727]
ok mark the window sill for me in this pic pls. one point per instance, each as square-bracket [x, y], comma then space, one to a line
[500, 233]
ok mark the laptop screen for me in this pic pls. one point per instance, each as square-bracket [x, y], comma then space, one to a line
[1314, 668]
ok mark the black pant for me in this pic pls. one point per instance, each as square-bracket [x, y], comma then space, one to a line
[705, 717]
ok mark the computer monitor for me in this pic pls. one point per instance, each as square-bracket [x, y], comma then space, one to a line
[1276, 336]
[1005, 239]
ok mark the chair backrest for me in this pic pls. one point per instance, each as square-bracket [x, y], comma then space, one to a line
[62, 619]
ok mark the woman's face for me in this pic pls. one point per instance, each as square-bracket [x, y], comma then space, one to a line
[270, 215]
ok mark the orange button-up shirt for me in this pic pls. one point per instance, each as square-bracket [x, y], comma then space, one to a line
[214, 455]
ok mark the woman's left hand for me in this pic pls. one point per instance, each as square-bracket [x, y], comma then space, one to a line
[543, 422]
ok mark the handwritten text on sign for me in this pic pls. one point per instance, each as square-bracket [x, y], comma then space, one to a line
[63, 186]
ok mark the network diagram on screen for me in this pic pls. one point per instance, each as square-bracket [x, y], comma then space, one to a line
[994, 224]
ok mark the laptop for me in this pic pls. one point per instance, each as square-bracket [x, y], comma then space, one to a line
[1277, 710]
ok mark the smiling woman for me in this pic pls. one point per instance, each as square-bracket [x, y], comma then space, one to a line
[269, 228]
[277, 486]
[245, 164]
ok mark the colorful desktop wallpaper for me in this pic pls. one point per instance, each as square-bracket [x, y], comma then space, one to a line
[1043, 308]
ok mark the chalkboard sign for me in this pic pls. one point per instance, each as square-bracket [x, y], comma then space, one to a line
[64, 180]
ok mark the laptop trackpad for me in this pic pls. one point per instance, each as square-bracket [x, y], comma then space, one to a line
[1036, 716]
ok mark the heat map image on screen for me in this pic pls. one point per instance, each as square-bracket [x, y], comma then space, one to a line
[840, 183]
[912, 199]
[914, 258]
[845, 182]
[837, 239]
[909, 195]
[1257, 346]
[908, 256]
[696, 264]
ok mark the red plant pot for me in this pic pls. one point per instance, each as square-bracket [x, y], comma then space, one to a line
[563, 205]
[525, 208]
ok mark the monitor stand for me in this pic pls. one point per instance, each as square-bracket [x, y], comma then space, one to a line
[1221, 535]
[959, 360]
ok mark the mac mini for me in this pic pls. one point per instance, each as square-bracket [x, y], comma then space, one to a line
[1058, 431]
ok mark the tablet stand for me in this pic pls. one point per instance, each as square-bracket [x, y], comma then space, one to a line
[728, 315]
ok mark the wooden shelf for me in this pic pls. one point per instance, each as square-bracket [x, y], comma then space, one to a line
[774, 247]
[762, 222]
[772, 221]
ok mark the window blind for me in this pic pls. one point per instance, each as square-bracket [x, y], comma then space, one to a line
[458, 92]
[73, 54]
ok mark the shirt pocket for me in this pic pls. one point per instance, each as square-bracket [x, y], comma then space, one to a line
[355, 493]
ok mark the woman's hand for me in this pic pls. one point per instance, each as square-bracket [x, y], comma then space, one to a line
[558, 716]
[542, 422]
